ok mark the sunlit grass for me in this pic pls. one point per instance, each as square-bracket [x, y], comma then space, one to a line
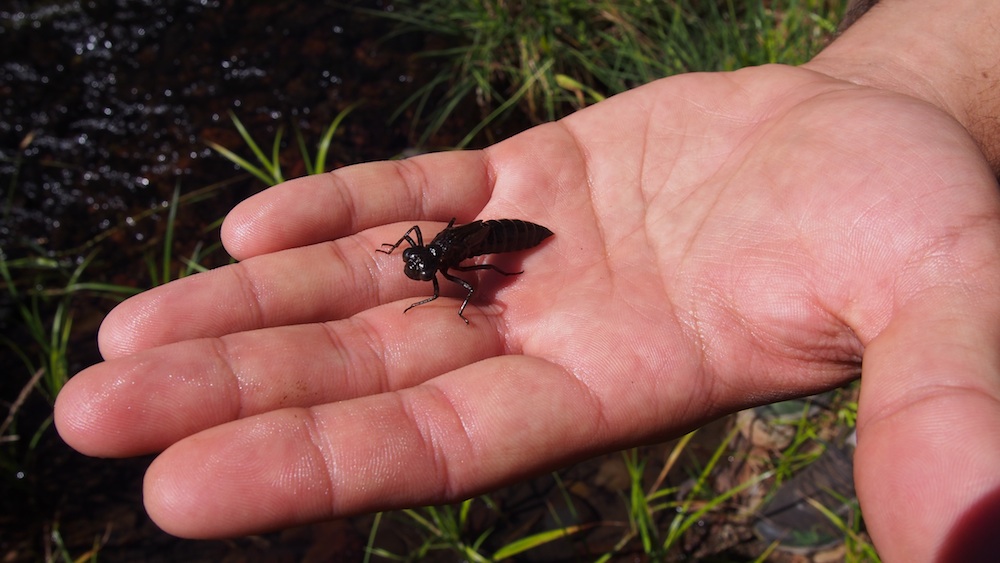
[268, 166]
[666, 498]
[546, 59]
[446, 529]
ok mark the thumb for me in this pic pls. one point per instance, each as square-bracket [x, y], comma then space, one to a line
[928, 452]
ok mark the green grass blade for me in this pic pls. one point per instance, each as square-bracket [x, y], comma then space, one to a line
[566, 496]
[867, 551]
[304, 151]
[370, 544]
[57, 365]
[324, 143]
[274, 165]
[248, 139]
[530, 542]
[238, 160]
[100, 287]
[680, 524]
[269, 170]
[168, 237]
[506, 105]
[424, 522]
[7, 277]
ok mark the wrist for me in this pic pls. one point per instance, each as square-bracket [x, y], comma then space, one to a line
[939, 51]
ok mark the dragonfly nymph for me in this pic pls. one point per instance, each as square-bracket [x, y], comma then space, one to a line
[454, 245]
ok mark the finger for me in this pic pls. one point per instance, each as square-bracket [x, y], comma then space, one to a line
[459, 434]
[328, 206]
[144, 402]
[303, 285]
[929, 430]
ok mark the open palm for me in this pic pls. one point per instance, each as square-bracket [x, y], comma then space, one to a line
[721, 241]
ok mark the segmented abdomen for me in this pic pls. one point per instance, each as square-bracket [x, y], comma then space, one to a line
[509, 235]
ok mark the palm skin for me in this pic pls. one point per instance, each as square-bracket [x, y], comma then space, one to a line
[721, 241]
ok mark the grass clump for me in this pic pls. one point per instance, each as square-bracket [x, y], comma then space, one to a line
[695, 498]
[552, 57]
[268, 168]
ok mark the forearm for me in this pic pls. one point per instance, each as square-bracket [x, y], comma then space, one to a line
[941, 51]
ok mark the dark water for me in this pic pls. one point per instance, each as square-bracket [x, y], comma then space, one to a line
[105, 106]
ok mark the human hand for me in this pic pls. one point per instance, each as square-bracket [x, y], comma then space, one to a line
[721, 241]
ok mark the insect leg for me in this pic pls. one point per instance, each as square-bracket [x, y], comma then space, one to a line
[429, 299]
[486, 267]
[464, 284]
[406, 237]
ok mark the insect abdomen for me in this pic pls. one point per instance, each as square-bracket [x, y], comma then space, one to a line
[510, 235]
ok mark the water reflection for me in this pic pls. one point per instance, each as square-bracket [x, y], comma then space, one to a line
[105, 105]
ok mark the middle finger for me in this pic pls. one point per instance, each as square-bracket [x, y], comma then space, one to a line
[146, 401]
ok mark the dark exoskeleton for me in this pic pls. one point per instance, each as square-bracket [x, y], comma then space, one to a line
[455, 244]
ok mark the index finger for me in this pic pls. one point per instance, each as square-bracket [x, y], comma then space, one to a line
[328, 206]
